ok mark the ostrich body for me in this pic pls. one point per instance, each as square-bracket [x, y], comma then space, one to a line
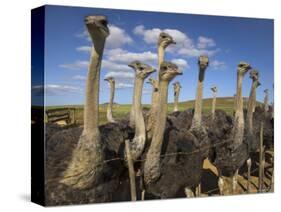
[142, 71]
[164, 40]
[232, 153]
[177, 88]
[109, 116]
[214, 90]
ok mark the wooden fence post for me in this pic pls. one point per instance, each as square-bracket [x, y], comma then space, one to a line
[249, 165]
[131, 171]
[261, 161]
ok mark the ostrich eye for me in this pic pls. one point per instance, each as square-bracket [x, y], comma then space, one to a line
[141, 68]
[103, 22]
[163, 36]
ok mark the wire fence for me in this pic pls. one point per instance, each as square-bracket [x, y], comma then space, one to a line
[200, 149]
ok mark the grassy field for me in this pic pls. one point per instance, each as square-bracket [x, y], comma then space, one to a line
[121, 110]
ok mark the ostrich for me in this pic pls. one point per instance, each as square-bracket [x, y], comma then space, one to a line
[250, 136]
[197, 129]
[142, 71]
[266, 107]
[76, 167]
[84, 169]
[234, 104]
[165, 158]
[177, 88]
[152, 165]
[214, 90]
[231, 154]
[164, 40]
[111, 82]
[153, 82]
[254, 75]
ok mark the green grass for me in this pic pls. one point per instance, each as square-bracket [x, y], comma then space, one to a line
[121, 110]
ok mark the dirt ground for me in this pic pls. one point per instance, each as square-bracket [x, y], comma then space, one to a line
[209, 185]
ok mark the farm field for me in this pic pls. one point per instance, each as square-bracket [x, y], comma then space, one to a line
[121, 110]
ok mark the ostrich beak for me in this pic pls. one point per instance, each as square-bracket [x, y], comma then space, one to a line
[131, 65]
[152, 70]
[173, 42]
[105, 79]
[179, 72]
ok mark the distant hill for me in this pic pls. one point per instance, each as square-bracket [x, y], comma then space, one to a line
[122, 110]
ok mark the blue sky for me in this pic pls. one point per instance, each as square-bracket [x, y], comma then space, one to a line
[226, 40]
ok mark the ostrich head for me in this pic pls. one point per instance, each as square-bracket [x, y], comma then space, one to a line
[142, 70]
[168, 71]
[214, 89]
[177, 85]
[152, 82]
[97, 27]
[243, 68]
[111, 80]
[203, 61]
[165, 40]
[254, 75]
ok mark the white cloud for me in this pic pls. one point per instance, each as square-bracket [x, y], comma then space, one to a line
[150, 36]
[106, 64]
[123, 56]
[55, 89]
[185, 45]
[120, 75]
[79, 77]
[84, 49]
[181, 63]
[77, 65]
[121, 85]
[117, 38]
[194, 52]
[216, 64]
[204, 42]
[112, 66]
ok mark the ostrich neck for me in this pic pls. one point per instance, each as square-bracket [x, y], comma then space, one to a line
[251, 105]
[176, 99]
[238, 128]
[155, 95]
[112, 90]
[91, 111]
[266, 102]
[152, 163]
[214, 103]
[198, 101]
[239, 97]
[109, 108]
[139, 120]
[132, 112]
[161, 117]
[161, 56]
